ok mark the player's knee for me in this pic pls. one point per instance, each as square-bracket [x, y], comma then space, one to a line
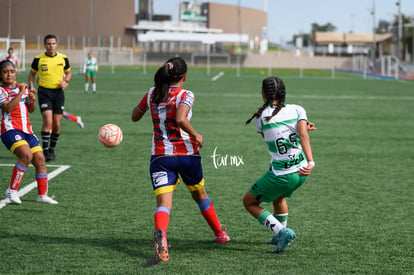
[249, 200]
[26, 158]
[199, 194]
[39, 161]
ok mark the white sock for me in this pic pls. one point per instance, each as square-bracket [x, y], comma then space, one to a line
[86, 87]
[272, 224]
[94, 87]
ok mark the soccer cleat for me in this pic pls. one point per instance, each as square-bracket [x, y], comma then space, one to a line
[46, 153]
[161, 246]
[46, 199]
[285, 237]
[52, 155]
[273, 240]
[13, 196]
[222, 237]
[79, 122]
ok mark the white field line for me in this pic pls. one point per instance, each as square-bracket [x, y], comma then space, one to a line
[220, 74]
[23, 191]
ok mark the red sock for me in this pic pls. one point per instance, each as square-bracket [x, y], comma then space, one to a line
[17, 176]
[41, 184]
[211, 217]
[161, 219]
[71, 117]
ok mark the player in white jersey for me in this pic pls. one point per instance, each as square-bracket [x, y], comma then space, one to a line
[13, 59]
[90, 68]
[284, 128]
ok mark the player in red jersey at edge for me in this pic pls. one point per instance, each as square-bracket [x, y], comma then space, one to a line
[16, 101]
[175, 150]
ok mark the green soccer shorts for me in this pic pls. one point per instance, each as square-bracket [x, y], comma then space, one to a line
[270, 187]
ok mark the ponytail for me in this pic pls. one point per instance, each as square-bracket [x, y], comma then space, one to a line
[171, 72]
[161, 85]
[258, 113]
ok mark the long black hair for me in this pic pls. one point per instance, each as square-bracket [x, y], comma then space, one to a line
[171, 72]
[274, 89]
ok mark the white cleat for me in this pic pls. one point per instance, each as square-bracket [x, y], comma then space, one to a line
[13, 196]
[79, 122]
[46, 199]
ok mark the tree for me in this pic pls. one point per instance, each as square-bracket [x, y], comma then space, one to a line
[383, 27]
[307, 38]
[328, 27]
[407, 33]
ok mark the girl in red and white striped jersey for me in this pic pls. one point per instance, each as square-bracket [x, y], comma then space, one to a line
[175, 150]
[16, 101]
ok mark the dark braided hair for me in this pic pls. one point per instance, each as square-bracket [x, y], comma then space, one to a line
[171, 72]
[273, 89]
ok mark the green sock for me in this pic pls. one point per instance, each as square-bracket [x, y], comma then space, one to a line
[282, 218]
[263, 215]
[269, 221]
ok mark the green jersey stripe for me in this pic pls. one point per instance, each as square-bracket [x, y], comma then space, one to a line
[278, 124]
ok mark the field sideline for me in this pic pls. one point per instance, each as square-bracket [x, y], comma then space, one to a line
[353, 215]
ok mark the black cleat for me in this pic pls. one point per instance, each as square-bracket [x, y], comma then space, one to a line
[46, 153]
[52, 155]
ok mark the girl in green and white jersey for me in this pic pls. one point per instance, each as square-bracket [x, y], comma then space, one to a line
[90, 68]
[284, 128]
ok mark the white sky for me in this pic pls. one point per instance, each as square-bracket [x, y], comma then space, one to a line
[289, 17]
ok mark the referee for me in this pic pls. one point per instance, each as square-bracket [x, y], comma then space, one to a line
[54, 74]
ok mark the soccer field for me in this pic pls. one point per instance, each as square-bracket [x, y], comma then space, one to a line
[354, 214]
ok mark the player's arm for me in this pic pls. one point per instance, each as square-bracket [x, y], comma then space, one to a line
[65, 82]
[184, 123]
[68, 74]
[32, 74]
[311, 126]
[31, 104]
[306, 147]
[31, 101]
[12, 104]
[137, 114]
[140, 109]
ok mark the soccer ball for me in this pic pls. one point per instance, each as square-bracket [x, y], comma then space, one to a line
[110, 135]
